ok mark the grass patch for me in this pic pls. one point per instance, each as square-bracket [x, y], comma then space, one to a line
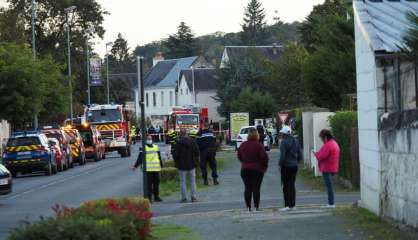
[224, 159]
[317, 183]
[370, 225]
[173, 232]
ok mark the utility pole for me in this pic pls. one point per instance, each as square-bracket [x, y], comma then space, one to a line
[194, 95]
[89, 31]
[35, 117]
[141, 91]
[70, 84]
[107, 72]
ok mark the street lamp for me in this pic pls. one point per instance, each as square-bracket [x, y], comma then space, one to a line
[89, 31]
[107, 71]
[33, 18]
[67, 12]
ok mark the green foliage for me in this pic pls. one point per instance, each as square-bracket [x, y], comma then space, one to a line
[173, 232]
[29, 87]
[342, 124]
[285, 80]
[121, 61]
[257, 103]
[182, 44]
[254, 26]
[104, 219]
[169, 174]
[329, 72]
[410, 45]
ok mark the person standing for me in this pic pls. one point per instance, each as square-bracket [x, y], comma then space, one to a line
[172, 139]
[328, 161]
[186, 159]
[254, 163]
[154, 164]
[207, 146]
[290, 156]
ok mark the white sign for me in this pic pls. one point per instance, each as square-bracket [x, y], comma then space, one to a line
[95, 71]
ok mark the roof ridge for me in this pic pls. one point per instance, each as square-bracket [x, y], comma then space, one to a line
[264, 46]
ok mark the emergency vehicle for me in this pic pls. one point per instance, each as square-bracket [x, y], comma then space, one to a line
[188, 118]
[112, 121]
[78, 151]
[28, 152]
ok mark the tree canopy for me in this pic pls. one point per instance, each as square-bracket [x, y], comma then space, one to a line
[254, 25]
[182, 44]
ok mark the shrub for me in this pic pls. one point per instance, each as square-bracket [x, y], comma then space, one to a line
[169, 174]
[108, 219]
[343, 124]
[169, 163]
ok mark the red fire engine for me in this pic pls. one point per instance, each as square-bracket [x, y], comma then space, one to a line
[113, 123]
[187, 118]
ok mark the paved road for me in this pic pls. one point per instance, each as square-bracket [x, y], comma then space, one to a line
[33, 196]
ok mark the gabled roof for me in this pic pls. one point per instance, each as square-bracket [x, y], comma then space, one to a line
[165, 73]
[272, 53]
[204, 78]
[384, 22]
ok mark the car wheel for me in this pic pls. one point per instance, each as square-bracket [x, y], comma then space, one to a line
[48, 171]
[104, 156]
[124, 152]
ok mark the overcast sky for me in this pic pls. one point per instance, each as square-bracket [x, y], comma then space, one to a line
[143, 21]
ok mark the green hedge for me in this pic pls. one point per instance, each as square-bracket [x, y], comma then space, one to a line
[96, 220]
[169, 174]
[343, 124]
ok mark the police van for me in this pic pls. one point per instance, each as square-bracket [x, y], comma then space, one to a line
[29, 152]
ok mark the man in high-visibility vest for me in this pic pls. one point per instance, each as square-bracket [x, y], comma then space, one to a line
[133, 134]
[154, 164]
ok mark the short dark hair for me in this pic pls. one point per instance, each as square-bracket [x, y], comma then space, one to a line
[325, 133]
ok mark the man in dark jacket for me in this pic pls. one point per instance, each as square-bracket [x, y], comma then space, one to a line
[207, 146]
[290, 156]
[186, 159]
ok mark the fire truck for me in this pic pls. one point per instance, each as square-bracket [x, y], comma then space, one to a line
[192, 117]
[112, 121]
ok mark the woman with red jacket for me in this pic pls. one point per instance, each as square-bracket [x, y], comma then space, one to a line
[254, 163]
[328, 161]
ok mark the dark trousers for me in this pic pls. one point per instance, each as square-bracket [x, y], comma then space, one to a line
[252, 180]
[206, 159]
[330, 189]
[288, 175]
[153, 184]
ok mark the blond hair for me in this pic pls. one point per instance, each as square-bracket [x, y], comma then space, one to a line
[253, 135]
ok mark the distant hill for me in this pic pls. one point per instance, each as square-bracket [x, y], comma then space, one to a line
[211, 46]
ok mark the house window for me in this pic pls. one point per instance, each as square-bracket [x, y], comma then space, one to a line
[154, 99]
[171, 98]
[162, 99]
[147, 99]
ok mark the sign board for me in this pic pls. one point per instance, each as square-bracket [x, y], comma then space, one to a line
[95, 71]
[259, 122]
[283, 117]
[238, 120]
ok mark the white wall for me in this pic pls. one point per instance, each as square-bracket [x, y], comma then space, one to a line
[367, 93]
[184, 94]
[206, 99]
[162, 107]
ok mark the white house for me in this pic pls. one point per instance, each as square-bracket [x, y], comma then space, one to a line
[161, 83]
[387, 110]
[198, 87]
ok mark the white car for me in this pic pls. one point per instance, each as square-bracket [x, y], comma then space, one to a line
[243, 136]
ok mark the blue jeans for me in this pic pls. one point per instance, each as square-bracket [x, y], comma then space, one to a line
[328, 184]
[183, 186]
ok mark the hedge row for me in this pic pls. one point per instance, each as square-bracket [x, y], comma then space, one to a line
[125, 219]
[344, 128]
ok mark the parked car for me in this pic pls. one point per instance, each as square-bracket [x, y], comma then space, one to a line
[64, 145]
[78, 151]
[243, 136]
[28, 152]
[93, 143]
[5, 181]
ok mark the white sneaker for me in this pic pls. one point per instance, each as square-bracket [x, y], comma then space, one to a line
[286, 209]
[328, 206]
[293, 209]
[249, 210]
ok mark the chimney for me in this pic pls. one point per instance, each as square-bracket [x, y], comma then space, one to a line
[157, 58]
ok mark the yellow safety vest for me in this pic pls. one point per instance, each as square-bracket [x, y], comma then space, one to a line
[153, 161]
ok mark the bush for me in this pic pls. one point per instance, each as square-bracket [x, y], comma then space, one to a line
[343, 124]
[169, 174]
[105, 219]
[169, 163]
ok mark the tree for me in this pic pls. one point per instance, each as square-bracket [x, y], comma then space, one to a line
[51, 32]
[182, 44]
[285, 81]
[12, 27]
[258, 104]
[29, 87]
[253, 28]
[122, 61]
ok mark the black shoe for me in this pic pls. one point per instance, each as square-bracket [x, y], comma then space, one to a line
[194, 199]
[184, 200]
[158, 199]
[215, 181]
[205, 182]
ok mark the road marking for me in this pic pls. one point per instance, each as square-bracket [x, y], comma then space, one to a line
[15, 196]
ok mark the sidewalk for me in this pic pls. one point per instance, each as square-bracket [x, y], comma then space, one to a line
[220, 214]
